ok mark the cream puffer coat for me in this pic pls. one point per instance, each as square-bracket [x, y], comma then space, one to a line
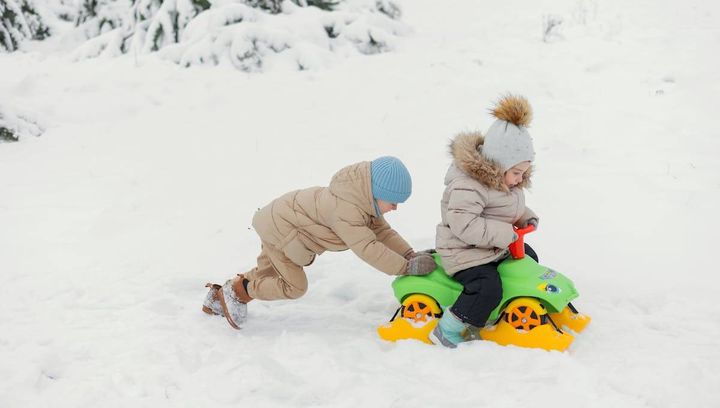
[308, 222]
[478, 209]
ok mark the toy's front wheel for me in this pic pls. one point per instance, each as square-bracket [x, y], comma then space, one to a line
[525, 323]
[525, 314]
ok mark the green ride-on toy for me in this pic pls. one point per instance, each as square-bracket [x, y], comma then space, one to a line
[535, 310]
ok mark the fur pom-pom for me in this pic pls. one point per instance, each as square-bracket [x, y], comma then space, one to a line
[514, 109]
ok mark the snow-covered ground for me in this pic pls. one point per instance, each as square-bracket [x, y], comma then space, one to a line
[144, 183]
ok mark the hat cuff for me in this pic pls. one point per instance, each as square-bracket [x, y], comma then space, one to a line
[509, 163]
[388, 195]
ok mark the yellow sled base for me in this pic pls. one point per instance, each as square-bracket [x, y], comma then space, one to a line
[418, 317]
[524, 323]
[401, 329]
[544, 337]
[570, 319]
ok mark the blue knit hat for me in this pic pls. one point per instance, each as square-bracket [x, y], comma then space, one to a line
[390, 180]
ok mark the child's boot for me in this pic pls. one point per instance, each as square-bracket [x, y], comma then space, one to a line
[449, 330]
[472, 333]
[233, 298]
[212, 305]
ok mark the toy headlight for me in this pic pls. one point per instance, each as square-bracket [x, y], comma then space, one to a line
[549, 288]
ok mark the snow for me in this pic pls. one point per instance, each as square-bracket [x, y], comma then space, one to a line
[142, 188]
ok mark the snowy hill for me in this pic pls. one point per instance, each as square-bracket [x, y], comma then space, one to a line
[142, 187]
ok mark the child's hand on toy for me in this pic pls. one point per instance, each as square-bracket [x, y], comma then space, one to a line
[421, 265]
[412, 255]
[531, 221]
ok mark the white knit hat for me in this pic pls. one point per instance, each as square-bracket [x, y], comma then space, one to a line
[508, 142]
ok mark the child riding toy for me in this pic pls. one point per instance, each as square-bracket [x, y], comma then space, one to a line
[535, 310]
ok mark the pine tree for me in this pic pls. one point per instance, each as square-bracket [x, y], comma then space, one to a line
[100, 16]
[14, 126]
[18, 22]
[6, 135]
[275, 6]
[252, 35]
[157, 23]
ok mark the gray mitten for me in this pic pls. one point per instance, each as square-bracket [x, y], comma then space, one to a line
[533, 222]
[412, 254]
[421, 265]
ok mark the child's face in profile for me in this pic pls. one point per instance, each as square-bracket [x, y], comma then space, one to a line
[514, 176]
[385, 206]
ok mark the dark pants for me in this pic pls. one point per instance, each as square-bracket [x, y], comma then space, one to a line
[482, 291]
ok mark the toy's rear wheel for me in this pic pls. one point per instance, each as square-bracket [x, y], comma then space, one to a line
[418, 317]
[420, 308]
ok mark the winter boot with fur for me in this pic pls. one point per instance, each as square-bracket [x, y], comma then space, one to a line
[212, 305]
[233, 297]
[449, 331]
[229, 300]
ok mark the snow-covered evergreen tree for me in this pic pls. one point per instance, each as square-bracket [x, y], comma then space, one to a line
[158, 23]
[15, 125]
[147, 26]
[275, 6]
[19, 21]
[252, 35]
[100, 16]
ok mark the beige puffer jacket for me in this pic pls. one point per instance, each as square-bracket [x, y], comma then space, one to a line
[304, 223]
[478, 210]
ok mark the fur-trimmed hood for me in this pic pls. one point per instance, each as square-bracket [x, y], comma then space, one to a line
[465, 150]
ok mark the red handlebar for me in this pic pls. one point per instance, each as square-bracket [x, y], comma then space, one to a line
[517, 248]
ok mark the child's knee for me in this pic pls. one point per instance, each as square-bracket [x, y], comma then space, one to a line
[493, 290]
[295, 292]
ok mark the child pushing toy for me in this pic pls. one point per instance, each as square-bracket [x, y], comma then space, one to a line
[294, 228]
[482, 201]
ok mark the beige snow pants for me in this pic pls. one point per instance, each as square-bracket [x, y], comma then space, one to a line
[275, 276]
